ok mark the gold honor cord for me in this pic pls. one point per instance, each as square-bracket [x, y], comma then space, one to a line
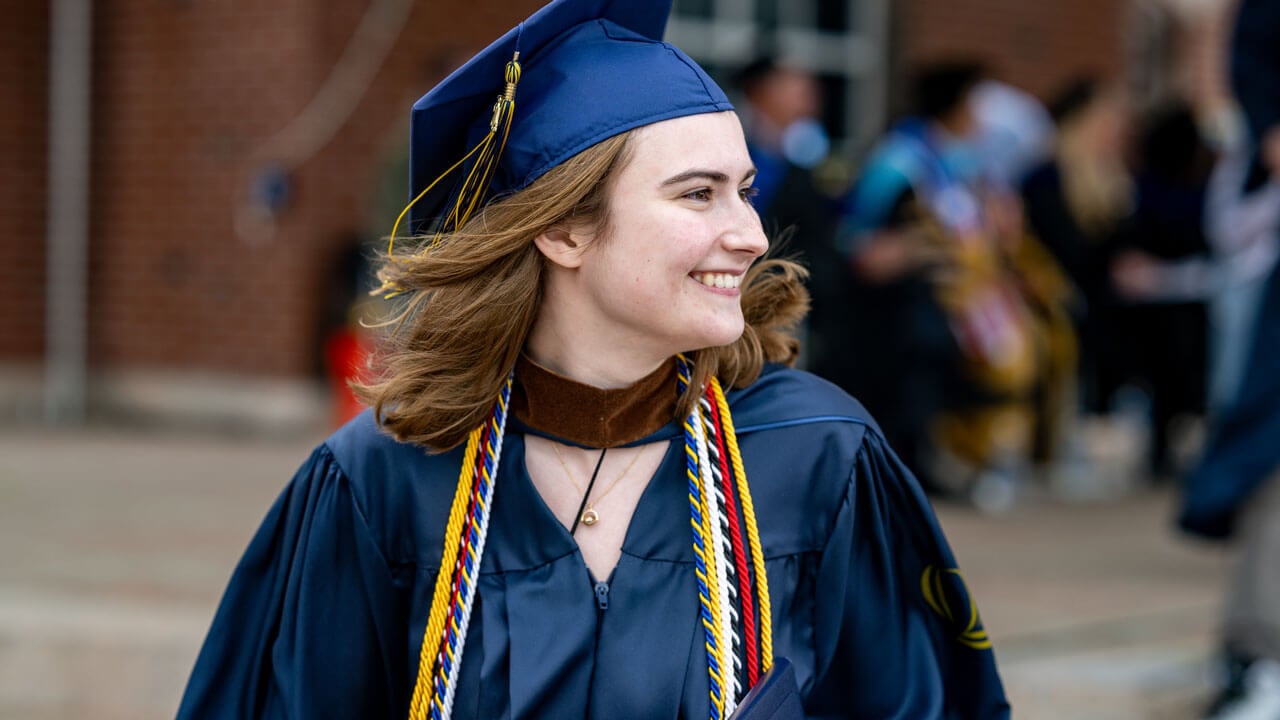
[472, 193]
[753, 532]
[444, 578]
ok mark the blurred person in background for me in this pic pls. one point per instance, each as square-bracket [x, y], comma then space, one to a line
[347, 343]
[1015, 135]
[1078, 203]
[1242, 214]
[569, 315]
[1234, 491]
[786, 142]
[1161, 273]
[947, 355]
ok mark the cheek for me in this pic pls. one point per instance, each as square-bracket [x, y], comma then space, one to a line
[687, 246]
[652, 282]
[635, 282]
[658, 251]
[665, 257]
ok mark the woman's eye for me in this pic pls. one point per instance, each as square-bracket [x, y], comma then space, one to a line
[748, 194]
[701, 194]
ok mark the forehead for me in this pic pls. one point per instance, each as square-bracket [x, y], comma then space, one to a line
[709, 141]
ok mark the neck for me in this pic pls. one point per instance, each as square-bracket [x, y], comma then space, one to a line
[589, 355]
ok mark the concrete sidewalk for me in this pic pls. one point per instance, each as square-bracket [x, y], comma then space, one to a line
[1096, 610]
[115, 545]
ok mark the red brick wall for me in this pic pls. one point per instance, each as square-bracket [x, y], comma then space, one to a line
[1034, 45]
[186, 95]
[24, 101]
[181, 91]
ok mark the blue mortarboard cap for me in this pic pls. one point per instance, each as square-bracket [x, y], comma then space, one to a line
[591, 69]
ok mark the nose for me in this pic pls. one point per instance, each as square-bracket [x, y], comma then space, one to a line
[745, 233]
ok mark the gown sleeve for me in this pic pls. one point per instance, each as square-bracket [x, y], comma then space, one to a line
[896, 633]
[304, 629]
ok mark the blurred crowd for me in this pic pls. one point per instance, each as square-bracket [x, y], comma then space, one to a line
[1002, 272]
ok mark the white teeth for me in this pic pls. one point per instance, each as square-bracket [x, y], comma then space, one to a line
[718, 280]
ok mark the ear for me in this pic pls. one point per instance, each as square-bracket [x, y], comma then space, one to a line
[562, 245]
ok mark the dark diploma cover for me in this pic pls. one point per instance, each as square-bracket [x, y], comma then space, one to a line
[776, 696]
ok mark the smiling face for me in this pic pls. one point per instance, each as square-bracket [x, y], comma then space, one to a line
[663, 277]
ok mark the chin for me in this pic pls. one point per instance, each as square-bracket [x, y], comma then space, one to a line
[721, 336]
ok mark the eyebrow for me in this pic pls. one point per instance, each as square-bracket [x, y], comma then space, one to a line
[714, 176]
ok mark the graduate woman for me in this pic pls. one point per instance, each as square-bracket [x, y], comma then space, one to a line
[586, 489]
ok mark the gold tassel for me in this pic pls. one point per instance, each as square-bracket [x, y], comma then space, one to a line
[472, 194]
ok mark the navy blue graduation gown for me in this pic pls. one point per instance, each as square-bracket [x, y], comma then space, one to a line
[324, 615]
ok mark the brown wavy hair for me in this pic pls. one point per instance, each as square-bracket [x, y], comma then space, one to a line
[471, 299]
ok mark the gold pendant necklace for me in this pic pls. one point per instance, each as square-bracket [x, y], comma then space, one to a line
[589, 516]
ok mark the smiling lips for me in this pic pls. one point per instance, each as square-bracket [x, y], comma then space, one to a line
[718, 280]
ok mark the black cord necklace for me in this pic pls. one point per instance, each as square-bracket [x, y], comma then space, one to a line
[587, 495]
